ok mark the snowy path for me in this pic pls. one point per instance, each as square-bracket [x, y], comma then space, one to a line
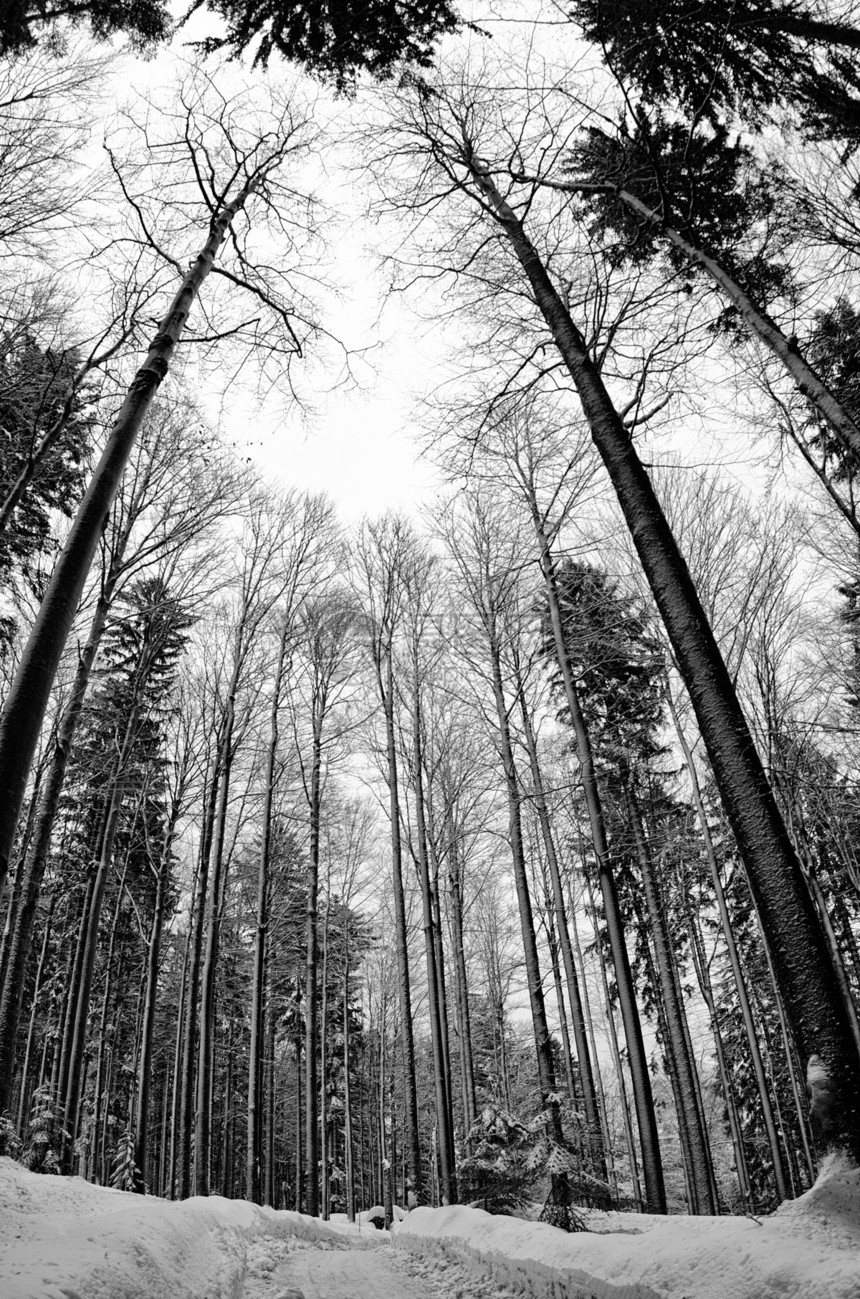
[319, 1272]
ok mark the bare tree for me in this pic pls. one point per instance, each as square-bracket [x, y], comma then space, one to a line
[462, 141]
[222, 164]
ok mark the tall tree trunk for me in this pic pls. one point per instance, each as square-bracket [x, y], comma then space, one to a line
[703, 977]
[643, 1098]
[206, 1032]
[349, 1164]
[83, 984]
[37, 988]
[442, 1081]
[312, 1141]
[797, 946]
[616, 1055]
[100, 1096]
[698, 1148]
[461, 978]
[774, 1144]
[254, 1136]
[410, 1087]
[27, 700]
[37, 857]
[540, 1027]
[153, 961]
[586, 1073]
[760, 324]
[197, 922]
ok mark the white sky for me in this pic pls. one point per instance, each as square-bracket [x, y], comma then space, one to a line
[361, 446]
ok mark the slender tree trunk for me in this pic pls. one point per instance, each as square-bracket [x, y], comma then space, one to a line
[586, 1073]
[470, 1103]
[797, 946]
[592, 1043]
[206, 1032]
[734, 961]
[100, 1098]
[312, 1141]
[31, 1027]
[37, 858]
[300, 1163]
[808, 382]
[412, 1133]
[325, 1186]
[643, 1098]
[543, 1045]
[616, 1060]
[442, 1081]
[706, 988]
[189, 1044]
[25, 706]
[347, 1097]
[254, 1138]
[83, 985]
[153, 961]
[566, 1054]
[698, 1149]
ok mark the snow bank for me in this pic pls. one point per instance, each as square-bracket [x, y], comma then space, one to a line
[809, 1249]
[62, 1238]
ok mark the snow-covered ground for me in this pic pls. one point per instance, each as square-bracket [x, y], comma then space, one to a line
[808, 1249]
[61, 1238]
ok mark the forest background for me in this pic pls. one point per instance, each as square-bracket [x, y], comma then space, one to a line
[483, 851]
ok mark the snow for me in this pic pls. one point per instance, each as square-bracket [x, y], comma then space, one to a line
[62, 1238]
[809, 1249]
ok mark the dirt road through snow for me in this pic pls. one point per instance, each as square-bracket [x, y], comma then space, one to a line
[302, 1270]
[340, 1274]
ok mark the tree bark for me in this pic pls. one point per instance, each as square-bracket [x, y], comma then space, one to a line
[254, 1136]
[807, 380]
[441, 1079]
[27, 701]
[798, 949]
[37, 858]
[643, 1098]
[774, 1145]
[410, 1088]
[698, 1149]
[586, 1072]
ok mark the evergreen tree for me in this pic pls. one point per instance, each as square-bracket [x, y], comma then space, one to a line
[708, 57]
[35, 401]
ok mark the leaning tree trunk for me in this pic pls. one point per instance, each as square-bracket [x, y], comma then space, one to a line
[27, 701]
[798, 948]
[807, 380]
[37, 858]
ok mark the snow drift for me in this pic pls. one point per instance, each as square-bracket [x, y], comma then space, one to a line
[809, 1249]
[62, 1238]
